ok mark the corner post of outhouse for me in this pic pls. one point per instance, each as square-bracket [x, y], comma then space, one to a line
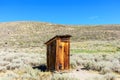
[57, 53]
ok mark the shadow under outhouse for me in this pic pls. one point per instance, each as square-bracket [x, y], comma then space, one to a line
[58, 53]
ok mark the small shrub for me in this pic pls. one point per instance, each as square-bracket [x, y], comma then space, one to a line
[73, 64]
[4, 63]
[89, 65]
[3, 69]
[109, 76]
[105, 70]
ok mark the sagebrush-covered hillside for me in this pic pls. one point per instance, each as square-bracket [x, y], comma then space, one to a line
[34, 34]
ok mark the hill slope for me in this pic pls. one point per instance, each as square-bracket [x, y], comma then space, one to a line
[34, 34]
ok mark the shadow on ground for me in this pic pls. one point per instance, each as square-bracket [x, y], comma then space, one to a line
[41, 67]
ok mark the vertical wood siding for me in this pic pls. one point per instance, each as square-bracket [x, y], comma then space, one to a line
[58, 54]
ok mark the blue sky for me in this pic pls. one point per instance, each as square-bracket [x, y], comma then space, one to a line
[61, 11]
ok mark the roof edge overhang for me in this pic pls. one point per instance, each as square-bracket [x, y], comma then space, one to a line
[58, 36]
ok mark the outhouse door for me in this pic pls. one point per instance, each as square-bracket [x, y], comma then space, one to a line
[63, 55]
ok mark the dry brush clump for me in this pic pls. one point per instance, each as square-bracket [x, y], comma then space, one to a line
[104, 63]
[26, 73]
[19, 66]
[12, 60]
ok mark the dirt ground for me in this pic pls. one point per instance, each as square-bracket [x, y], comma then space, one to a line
[88, 75]
[83, 74]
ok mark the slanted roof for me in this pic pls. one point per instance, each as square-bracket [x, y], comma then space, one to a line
[58, 36]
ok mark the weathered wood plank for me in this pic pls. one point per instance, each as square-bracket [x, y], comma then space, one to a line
[58, 53]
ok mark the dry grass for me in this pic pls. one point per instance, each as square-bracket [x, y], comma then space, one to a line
[26, 73]
[103, 63]
[11, 60]
[95, 46]
[22, 46]
[35, 34]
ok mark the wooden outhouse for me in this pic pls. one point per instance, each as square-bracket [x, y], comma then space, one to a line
[58, 53]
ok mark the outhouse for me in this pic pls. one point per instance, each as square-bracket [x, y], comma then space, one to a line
[58, 53]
